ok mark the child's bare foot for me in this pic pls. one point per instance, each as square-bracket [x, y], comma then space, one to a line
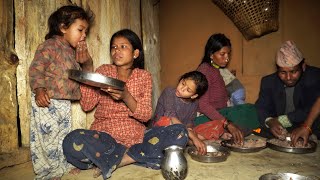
[74, 171]
[96, 172]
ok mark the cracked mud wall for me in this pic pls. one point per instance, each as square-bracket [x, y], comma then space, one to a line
[8, 98]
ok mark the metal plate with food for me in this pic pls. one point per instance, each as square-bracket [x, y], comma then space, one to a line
[215, 153]
[285, 146]
[95, 79]
[249, 145]
[286, 176]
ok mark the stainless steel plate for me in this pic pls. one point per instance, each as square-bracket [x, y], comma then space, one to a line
[293, 149]
[286, 176]
[208, 158]
[95, 79]
[227, 143]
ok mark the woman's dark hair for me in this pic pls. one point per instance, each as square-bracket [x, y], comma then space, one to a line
[214, 44]
[66, 15]
[135, 42]
[199, 79]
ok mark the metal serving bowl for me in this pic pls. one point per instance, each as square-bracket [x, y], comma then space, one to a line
[208, 158]
[286, 176]
[229, 144]
[95, 79]
[295, 150]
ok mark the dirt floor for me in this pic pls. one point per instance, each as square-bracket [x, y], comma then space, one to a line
[238, 166]
[25, 172]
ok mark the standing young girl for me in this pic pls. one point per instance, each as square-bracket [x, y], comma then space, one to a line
[117, 136]
[52, 92]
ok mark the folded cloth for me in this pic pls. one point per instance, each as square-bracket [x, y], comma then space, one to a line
[85, 148]
[235, 89]
[243, 115]
[238, 97]
[149, 153]
[210, 130]
[227, 76]
[200, 120]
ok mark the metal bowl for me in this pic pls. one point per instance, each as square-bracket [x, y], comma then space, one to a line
[208, 158]
[95, 79]
[286, 176]
[293, 149]
[228, 143]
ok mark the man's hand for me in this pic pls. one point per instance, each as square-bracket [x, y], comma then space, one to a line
[300, 132]
[277, 129]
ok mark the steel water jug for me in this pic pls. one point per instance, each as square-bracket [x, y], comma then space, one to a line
[174, 164]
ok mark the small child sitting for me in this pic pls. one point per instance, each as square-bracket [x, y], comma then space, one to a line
[179, 106]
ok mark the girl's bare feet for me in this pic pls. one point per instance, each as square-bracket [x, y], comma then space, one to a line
[74, 171]
[96, 172]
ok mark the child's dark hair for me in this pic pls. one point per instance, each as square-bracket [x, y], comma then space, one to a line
[135, 42]
[199, 79]
[214, 44]
[66, 15]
